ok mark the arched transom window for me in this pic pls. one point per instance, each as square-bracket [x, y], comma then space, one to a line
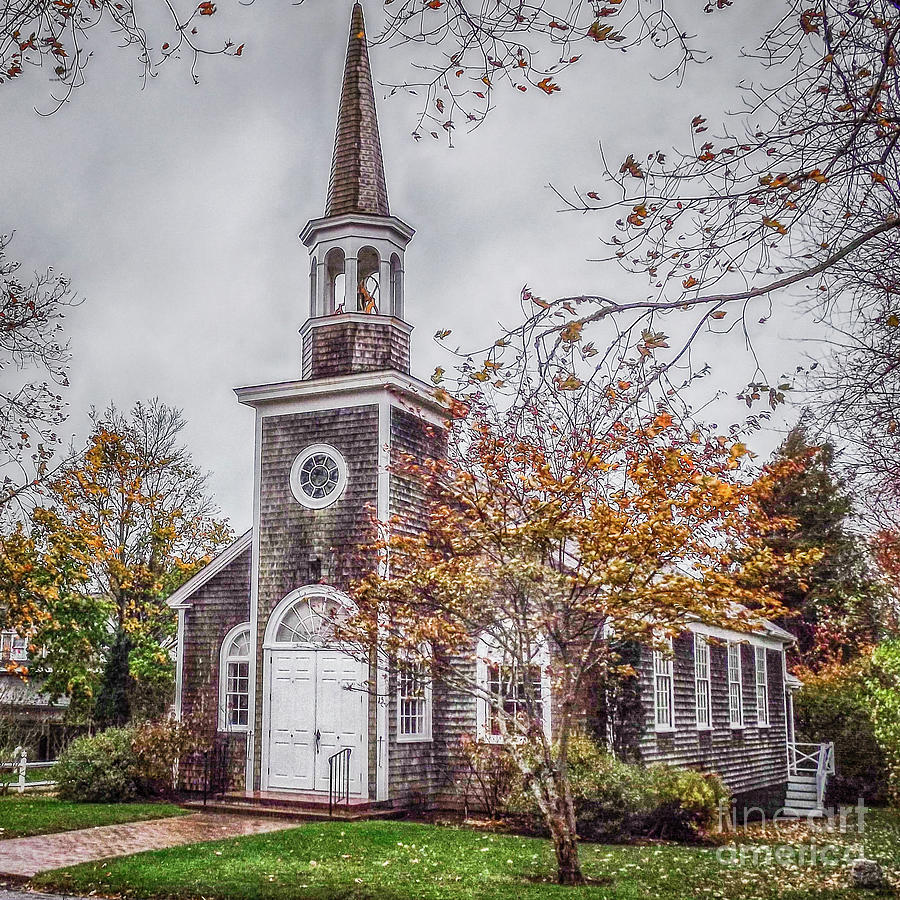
[307, 618]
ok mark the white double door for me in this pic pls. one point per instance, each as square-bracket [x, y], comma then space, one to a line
[317, 706]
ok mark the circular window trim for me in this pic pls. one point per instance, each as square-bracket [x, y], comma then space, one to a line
[318, 502]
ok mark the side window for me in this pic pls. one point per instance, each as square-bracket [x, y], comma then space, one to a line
[234, 680]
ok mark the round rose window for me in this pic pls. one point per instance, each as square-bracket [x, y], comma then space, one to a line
[318, 476]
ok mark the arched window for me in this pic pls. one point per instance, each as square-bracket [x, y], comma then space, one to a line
[313, 286]
[368, 274]
[334, 273]
[396, 287]
[234, 680]
[306, 618]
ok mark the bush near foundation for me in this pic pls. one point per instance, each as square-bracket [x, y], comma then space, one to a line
[99, 769]
[617, 801]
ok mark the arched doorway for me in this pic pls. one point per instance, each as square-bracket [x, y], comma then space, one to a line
[315, 697]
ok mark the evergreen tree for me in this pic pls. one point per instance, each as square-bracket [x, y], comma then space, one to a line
[835, 605]
[112, 707]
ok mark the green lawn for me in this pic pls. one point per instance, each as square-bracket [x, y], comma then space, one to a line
[410, 861]
[24, 814]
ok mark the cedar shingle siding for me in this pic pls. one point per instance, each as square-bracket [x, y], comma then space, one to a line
[216, 607]
[357, 182]
[342, 347]
[294, 540]
[748, 758]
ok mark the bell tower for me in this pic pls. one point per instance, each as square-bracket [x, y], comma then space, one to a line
[356, 304]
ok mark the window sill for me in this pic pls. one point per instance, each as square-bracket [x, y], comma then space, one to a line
[734, 727]
[704, 727]
[664, 729]
[234, 729]
[414, 738]
[764, 725]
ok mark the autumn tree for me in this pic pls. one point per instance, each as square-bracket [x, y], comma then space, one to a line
[565, 519]
[138, 509]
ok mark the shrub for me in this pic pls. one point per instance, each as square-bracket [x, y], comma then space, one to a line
[883, 691]
[685, 801]
[615, 800]
[489, 776]
[99, 769]
[834, 705]
[159, 747]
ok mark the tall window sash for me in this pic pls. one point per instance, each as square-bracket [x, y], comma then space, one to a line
[234, 713]
[735, 688]
[762, 686]
[663, 689]
[701, 680]
[413, 703]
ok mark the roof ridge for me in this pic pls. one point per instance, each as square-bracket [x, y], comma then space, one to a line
[357, 183]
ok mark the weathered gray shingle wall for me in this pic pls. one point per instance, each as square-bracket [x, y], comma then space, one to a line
[216, 607]
[291, 536]
[344, 347]
[747, 758]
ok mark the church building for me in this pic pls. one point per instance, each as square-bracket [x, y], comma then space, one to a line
[296, 713]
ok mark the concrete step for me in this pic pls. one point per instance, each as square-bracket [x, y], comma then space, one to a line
[297, 811]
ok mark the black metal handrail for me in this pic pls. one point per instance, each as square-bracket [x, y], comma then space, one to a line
[339, 778]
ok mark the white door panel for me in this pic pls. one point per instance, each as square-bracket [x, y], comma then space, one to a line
[340, 714]
[310, 692]
[292, 710]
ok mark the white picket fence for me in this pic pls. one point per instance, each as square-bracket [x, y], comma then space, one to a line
[20, 766]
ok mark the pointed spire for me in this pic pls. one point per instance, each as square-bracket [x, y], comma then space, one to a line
[357, 182]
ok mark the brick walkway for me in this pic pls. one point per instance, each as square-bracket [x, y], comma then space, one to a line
[28, 895]
[25, 857]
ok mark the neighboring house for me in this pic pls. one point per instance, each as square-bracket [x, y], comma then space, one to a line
[253, 656]
[27, 716]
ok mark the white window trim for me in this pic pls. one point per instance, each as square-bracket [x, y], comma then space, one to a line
[484, 654]
[318, 502]
[224, 659]
[759, 653]
[733, 723]
[670, 674]
[425, 736]
[701, 640]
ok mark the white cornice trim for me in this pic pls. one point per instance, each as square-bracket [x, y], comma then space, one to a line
[179, 599]
[347, 221]
[372, 383]
[360, 317]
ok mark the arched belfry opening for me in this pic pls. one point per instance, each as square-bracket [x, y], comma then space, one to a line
[368, 274]
[396, 286]
[335, 284]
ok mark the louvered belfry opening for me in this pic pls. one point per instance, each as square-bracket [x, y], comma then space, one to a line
[357, 182]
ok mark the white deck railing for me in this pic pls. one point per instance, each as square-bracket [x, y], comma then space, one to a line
[812, 761]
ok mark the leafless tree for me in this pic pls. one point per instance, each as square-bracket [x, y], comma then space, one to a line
[34, 358]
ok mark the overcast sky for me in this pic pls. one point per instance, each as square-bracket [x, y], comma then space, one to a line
[175, 209]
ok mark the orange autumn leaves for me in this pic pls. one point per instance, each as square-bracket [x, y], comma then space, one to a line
[635, 530]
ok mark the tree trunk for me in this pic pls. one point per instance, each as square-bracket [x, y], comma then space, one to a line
[568, 866]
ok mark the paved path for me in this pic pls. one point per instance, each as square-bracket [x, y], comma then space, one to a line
[25, 857]
[28, 895]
